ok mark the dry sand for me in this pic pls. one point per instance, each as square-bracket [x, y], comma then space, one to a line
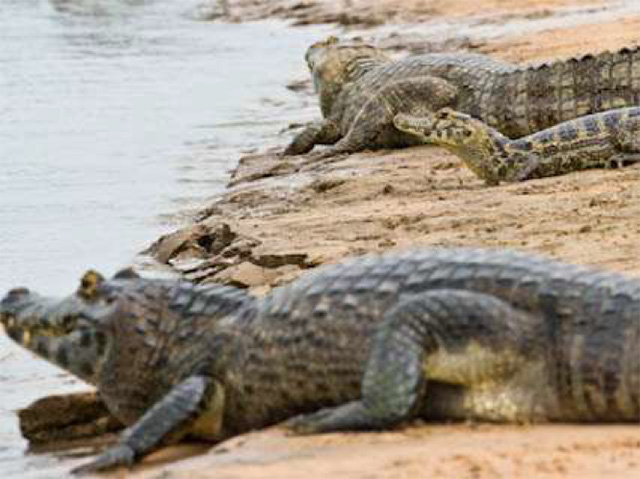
[281, 218]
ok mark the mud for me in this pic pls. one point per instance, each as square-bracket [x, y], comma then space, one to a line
[281, 217]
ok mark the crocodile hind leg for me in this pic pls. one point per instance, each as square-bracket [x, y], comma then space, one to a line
[417, 95]
[324, 132]
[167, 421]
[453, 337]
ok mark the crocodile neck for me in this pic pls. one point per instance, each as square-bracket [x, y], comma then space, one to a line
[528, 100]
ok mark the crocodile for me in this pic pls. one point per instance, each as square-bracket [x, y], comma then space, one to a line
[607, 139]
[361, 89]
[459, 333]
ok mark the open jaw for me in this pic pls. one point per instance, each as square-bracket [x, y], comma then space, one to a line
[61, 331]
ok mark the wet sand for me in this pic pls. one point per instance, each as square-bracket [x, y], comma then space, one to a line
[279, 218]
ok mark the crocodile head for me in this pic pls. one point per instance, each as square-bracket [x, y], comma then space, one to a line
[121, 326]
[131, 337]
[443, 127]
[63, 331]
[479, 146]
[334, 63]
[459, 132]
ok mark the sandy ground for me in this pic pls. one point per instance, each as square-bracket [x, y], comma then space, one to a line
[372, 13]
[436, 451]
[279, 218]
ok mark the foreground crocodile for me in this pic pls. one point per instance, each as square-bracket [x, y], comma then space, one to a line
[361, 90]
[441, 333]
[606, 139]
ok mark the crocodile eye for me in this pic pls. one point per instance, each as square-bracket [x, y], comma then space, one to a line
[89, 284]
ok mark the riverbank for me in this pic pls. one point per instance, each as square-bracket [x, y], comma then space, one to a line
[279, 218]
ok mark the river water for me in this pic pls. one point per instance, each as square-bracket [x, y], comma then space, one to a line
[114, 115]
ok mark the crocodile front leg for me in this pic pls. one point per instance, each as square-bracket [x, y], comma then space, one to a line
[454, 337]
[373, 126]
[324, 132]
[518, 167]
[167, 421]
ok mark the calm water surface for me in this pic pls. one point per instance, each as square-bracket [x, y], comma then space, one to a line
[113, 115]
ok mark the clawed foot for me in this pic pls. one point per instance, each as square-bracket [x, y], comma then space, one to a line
[526, 171]
[352, 416]
[120, 455]
[314, 423]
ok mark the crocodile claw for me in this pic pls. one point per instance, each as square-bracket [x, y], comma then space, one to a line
[119, 455]
[313, 423]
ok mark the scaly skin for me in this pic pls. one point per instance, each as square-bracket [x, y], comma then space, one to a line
[361, 90]
[440, 333]
[593, 141]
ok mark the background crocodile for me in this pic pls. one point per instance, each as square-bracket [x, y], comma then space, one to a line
[611, 138]
[361, 90]
[458, 333]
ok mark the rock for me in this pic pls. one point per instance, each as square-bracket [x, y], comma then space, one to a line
[247, 275]
[169, 245]
[263, 165]
[66, 417]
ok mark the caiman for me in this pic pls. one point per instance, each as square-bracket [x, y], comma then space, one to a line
[361, 90]
[607, 139]
[486, 335]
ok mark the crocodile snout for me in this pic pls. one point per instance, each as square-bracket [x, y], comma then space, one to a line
[17, 292]
[13, 300]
